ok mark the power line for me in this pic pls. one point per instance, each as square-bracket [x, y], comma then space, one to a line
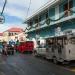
[4, 7]
[28, 8]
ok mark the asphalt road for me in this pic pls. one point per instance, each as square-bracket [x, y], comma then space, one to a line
[21, 64]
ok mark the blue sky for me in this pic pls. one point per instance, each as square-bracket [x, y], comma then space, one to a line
[16, 10]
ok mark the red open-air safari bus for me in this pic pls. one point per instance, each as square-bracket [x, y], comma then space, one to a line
[26, 46]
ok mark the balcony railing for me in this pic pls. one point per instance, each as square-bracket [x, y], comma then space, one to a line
[43, 23]
[35, 25]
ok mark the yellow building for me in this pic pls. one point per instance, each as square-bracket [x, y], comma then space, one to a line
[1, 37]
[14, 34]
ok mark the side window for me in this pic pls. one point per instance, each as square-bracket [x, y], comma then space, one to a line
[36, 20]
[59, 48]
[12, 34]
[9, 34]
[72, 40]
[52, 48]
[67, 7]
[39, 18]
[38, 42]
[30, 23]
[46, 14]
[65, 42]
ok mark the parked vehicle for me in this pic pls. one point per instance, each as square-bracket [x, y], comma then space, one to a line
[40, 49]
[60, 48]
[27, 46]
[10, 49]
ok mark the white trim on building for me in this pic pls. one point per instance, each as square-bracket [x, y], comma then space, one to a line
[59, 21]
[57, 12]
[44, 7]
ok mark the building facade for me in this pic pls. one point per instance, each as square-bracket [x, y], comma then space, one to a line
[55, 18]
[1, 37]
[14, 34]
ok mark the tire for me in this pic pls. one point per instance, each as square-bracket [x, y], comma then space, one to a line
[55, 60]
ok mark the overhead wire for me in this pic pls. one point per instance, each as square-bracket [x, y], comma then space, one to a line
[28, 12]
[3, 7]
[28, 8]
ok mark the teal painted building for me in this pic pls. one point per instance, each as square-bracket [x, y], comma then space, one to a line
[53, 19]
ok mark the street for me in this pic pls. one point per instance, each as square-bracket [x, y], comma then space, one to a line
[37, 37]
[23, 64]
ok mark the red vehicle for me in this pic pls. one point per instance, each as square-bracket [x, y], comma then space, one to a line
[25, 46]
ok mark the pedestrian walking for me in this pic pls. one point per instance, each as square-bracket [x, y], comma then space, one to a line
[12, 46]
[1, 48]
[5, 48]
[17, 44]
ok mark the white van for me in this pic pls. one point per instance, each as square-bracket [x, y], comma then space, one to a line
[40, 49]
[61, 49]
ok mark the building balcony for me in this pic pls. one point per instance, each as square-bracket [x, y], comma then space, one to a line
[61, 18]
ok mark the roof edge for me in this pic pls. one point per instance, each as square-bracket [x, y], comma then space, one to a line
[42, 8]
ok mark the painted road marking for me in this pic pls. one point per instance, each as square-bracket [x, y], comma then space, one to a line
[72, 69]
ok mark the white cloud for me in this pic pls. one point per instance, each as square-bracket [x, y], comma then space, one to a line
[13, 8]
[13, 11]
[4, 27]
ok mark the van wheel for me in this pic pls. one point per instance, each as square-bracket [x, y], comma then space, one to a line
[55, 60]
